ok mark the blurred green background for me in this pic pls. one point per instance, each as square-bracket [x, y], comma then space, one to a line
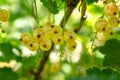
[17, 62]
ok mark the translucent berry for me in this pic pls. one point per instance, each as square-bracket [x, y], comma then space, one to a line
[111, 9]
[4, 15]
[58, 40]
[45, 45]
[47, 26]
[37, 34]
[114, 21]
[108, 32]
[25, 38]
[101, 25]
[71, 45]
[56, 30]
[69, 35]
[33, 46]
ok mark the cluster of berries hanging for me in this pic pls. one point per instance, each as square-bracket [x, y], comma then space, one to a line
[106, 25]
[4, 16]
[47, 35]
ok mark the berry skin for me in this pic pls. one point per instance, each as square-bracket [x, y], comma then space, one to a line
[45, 45]
[101, 25]
[69, 36]
[71, 45]
[25, 38]
[58, 40]
[37, 34]
[4, 15]
[47, 26]
[108, 32]
[33, 46]
[56, 30]
[114, 22]
[111, 9]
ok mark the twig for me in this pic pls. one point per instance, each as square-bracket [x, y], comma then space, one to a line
[71, 4]
[42, 62]
[83, 15]
[35, 11]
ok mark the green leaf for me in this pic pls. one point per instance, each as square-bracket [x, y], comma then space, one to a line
[91, 1]
[8, 74]
[104, 74]
[50, 5]
[6, 49]
[29, 62]
[95, 73]
[111, 50]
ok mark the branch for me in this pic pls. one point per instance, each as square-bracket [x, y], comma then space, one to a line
[70, 5]
[42, 62]
[83, 15]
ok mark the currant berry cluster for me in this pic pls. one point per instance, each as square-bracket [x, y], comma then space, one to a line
[47, 35]
[106, 25]
[4, 15]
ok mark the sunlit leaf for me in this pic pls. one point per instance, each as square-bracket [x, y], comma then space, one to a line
[50, 5]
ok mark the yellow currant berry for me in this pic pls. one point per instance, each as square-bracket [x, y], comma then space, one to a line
[114, 21]
[58, 40]
[71, 45]
[25, 38]
[56, 30]
[108, 32]
[111, 9]
[69, 35]
[4, 15]
[101, 25]
[45, 45]
[37, 34]
[47, 26]
[33, 46]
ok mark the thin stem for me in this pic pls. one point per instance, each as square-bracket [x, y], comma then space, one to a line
[35, 11]
[64, 19]
[83, 15]
[70, 5]
[42, 62]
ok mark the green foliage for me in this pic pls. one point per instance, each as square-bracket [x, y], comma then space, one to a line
[6, 49]
[111, 50]
[8, 74]
[97, 74]
[91, 1]
[50, 5]
[29, 62]
[104, 74]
